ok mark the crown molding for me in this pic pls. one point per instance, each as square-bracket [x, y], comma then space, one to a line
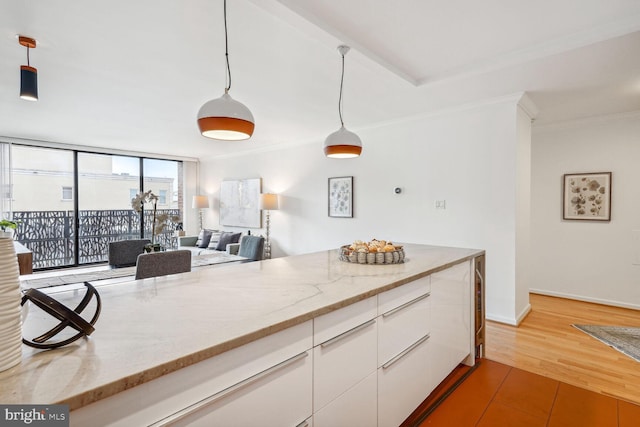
[584, 121]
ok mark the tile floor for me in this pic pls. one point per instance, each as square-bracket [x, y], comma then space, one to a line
[498, 395]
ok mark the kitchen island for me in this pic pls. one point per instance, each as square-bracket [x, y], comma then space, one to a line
[237, 343]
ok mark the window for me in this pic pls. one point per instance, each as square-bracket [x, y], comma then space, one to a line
[61, 234]
[67, 193]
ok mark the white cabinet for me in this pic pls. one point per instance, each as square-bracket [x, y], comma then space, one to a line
[403, 383]
[275, 370]
[344, 355]
[404, 380]
[451, 333]
[276, 397]
[404, 318]
[355, 408]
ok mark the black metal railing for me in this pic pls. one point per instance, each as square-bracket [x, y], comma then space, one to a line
[50, 234]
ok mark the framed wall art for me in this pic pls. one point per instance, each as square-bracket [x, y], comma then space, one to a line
[240, 203]
[587, 196]
[341, 197]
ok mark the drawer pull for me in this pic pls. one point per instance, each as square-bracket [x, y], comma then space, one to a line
[347, 333]
[405, 352]
[167, 421]
[405, 305]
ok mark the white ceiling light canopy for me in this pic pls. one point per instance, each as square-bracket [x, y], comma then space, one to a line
[225, 118]
[342, 144]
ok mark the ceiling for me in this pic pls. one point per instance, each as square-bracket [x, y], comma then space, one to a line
[131, 75]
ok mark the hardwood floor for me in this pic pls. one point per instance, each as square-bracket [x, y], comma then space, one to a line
[545, 343]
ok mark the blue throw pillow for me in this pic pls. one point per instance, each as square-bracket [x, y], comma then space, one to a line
[203, 238]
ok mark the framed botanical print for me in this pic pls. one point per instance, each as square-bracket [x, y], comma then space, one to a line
[341, 197]
[587, 196]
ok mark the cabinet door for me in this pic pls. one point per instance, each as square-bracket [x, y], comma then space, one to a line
[355, 408]
[345, 349]
[451, 332]
[343, 361]
[403, 383]
[151, 401]
[279, 396]
[400, 327]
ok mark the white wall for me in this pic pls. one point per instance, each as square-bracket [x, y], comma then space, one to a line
[466, 157]
[587, 260]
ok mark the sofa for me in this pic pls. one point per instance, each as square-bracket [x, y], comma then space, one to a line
[211, 241]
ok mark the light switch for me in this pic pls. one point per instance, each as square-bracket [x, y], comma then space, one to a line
[441, 204]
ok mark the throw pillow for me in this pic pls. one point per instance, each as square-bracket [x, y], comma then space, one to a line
[227, 238]
[215, 238]
[203, 238]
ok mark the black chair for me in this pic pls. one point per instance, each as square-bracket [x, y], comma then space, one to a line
[124, 253]
[155, 264]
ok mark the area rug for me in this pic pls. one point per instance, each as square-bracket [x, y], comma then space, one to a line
[624, 339]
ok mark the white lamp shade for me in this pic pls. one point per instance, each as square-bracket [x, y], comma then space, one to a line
[342, 144]
[200, 202]
[269, 202]
[226, 119]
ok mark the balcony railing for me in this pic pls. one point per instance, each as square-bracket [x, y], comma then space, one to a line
[50, 234]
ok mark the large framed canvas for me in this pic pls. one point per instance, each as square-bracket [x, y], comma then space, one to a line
[240, 203]
[341, 197]
[587, 196]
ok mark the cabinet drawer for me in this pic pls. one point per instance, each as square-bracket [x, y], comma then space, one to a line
[340, 363]
[400, 327]
[403, 384]
[396, 297]
[357, 407]
[337, 322]
[168, 394]
[252, 402]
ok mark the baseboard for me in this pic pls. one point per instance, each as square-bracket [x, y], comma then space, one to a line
[585, 299]
[523, 314]
[501, 319]
[509, 320]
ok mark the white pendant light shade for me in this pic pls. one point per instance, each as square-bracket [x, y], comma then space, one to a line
[342, 144]
[226, 119]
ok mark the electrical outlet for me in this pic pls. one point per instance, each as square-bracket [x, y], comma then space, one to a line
[441, 204]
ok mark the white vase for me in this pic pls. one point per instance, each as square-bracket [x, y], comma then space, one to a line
[10, 323]
[6, 234]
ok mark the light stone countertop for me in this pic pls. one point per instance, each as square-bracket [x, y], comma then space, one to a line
[151, 327]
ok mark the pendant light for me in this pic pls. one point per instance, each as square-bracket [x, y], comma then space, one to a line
[342, 144]
[28, 74]
[225, 118]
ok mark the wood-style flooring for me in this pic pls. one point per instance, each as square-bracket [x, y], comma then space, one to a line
[545, 343]
[546, 373]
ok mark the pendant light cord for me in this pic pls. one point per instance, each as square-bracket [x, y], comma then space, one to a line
[226, 49]
[28, 63]
[340, 98]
